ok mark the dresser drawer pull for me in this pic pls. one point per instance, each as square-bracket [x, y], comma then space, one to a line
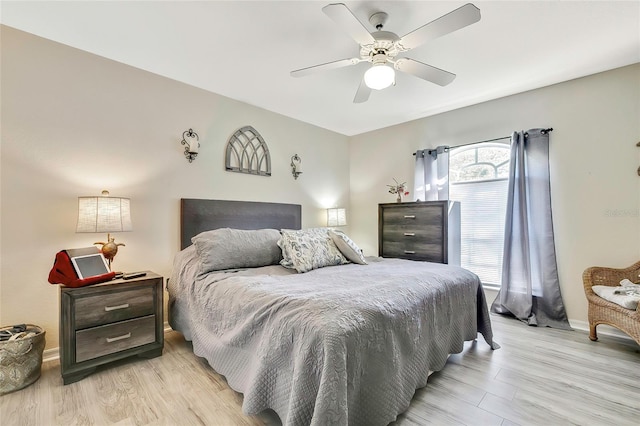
[409, 234]
[409, 252]
[115, 339]
[113, 308]
[409, 216]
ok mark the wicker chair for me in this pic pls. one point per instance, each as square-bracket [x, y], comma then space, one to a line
[602, 311]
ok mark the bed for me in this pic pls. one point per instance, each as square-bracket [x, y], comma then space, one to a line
[335, 345]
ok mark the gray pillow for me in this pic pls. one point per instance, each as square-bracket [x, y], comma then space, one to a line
[347, 247]
[227, 248]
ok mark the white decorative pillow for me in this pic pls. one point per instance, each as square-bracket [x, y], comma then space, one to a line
[309, 249]
[227, 248]
[347, 247]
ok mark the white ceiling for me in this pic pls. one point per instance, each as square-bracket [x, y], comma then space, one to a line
[245, 49]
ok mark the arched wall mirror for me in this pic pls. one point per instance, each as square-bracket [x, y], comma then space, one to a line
[248, 153]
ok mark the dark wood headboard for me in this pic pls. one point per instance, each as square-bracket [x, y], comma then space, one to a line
[203, 215]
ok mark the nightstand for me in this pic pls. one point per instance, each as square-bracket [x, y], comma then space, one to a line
[106, 322]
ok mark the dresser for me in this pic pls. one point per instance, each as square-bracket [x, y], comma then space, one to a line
[427, 231]
[106, 322]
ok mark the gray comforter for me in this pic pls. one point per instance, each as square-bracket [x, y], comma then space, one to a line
[341, 345]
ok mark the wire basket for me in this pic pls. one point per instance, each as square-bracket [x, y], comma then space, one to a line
[20, 359]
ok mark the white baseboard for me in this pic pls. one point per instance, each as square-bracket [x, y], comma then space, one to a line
[53, 354]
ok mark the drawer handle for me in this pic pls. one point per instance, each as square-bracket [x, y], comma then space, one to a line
[409, 252]
[409, 234]
[113, 308]
[115, 339]
[409, 216]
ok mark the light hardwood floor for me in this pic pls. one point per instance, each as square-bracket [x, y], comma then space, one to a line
[540, 376]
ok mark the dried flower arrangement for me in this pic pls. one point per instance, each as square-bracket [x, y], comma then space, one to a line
[399, 189]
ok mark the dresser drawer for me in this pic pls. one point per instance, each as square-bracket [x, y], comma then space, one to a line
[424, 251]
[410, 235]
[115, 306]
[107, 339]
[413, 216]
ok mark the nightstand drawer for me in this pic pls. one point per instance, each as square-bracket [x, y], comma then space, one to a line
[108, 339]
[117, 306]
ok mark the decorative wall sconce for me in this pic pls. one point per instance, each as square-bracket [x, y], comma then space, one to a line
[191, 141]
[295, 166]
[336, 217]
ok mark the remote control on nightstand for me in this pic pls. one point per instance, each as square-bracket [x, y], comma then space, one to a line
[133, 275]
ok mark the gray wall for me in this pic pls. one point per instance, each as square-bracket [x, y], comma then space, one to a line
[595, 189]
[74, 124]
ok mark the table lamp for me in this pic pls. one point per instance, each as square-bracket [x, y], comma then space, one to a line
[336, 217]
[104, 214]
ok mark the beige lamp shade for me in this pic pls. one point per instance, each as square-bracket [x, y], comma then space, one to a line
[104, 214]
[336, 217]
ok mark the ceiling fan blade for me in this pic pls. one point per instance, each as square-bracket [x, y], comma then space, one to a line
[323, 67]
[346, 20]
[362, 95]
[424, 71]
[452, 21]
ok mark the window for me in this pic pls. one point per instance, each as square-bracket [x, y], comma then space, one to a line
[479, 179]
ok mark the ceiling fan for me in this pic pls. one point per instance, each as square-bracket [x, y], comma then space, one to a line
[381, 47]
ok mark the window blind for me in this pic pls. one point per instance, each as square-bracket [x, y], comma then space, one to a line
[482, 210]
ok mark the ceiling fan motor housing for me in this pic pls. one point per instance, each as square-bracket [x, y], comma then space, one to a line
[385, 43]
[379, 59]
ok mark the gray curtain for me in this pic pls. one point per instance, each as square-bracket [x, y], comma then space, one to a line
[431, 174]
[530, 289]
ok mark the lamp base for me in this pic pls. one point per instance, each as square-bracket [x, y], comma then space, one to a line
[109, 249]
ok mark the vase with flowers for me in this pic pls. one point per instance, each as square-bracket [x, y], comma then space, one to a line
[399, 189]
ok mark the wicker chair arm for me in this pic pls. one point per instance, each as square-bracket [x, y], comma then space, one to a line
[598, 275]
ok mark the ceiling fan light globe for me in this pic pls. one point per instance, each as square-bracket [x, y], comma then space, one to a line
[379, 77]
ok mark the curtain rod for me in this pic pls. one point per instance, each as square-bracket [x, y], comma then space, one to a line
[543, 131]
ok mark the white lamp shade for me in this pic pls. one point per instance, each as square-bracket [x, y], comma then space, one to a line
[336, 217]
[379, 77]
[104, 214]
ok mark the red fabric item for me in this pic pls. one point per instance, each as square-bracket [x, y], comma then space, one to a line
[63, 272]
